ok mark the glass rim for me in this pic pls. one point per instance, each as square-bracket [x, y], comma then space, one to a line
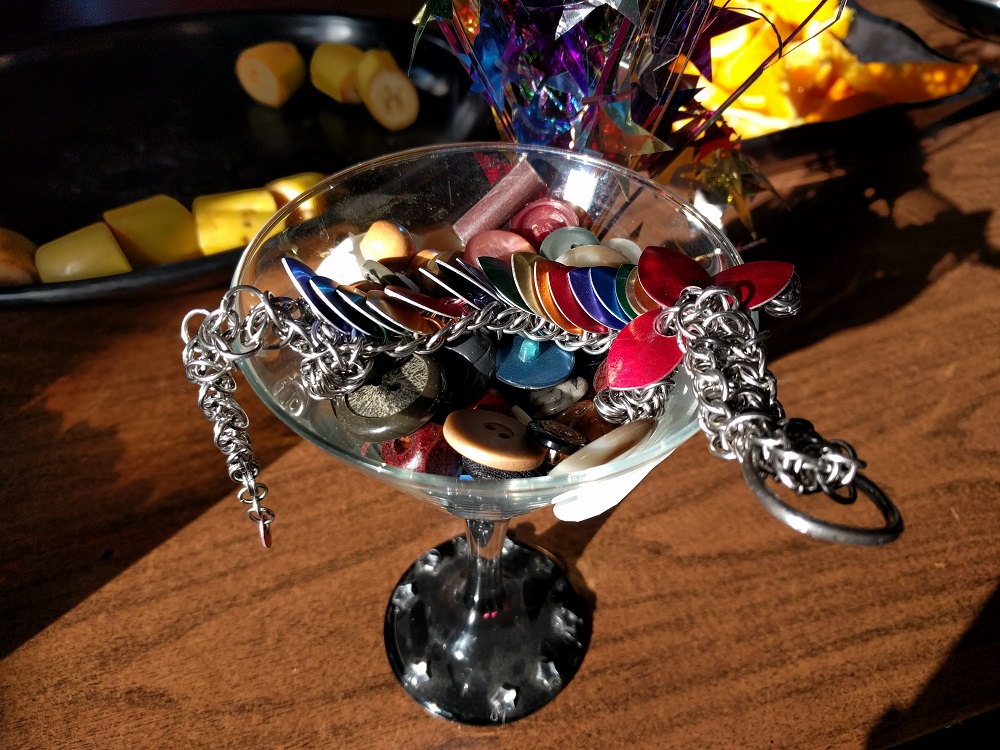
[438, 486]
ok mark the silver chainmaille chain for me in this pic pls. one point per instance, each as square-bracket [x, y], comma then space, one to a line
[737, 395]
[738, 408]
[332, 364]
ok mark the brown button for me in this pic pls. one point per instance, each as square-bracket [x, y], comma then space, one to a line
[584, 417]
[492, 439]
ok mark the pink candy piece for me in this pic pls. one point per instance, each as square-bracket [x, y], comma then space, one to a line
[540, 218]
[495, 243]
[641, 355]
[512, 191]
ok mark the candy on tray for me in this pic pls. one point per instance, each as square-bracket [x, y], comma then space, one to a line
[271, 72]
[87, 253]
[153, 231]
[17, 258]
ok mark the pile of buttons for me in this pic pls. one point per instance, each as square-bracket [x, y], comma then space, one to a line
[490, 406]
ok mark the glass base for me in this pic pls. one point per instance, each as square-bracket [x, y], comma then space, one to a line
[485, 659]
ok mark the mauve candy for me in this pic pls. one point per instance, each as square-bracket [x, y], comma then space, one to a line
[540, 218]
[511, 192]
[424, 450]
[496, 243]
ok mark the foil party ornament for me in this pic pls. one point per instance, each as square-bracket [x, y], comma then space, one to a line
[616, 78]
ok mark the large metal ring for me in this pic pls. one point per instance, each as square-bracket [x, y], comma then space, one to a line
[826, 530]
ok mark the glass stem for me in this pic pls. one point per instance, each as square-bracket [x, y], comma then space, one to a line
[484, 594]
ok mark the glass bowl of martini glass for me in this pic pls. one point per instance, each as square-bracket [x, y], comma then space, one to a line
[451, 336]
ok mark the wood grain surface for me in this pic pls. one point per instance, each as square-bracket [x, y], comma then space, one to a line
[138, 611]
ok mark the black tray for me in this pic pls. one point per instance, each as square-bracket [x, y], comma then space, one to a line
[105, 116]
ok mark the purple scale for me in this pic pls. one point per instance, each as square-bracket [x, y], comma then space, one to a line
[583, 290]
[603, 279]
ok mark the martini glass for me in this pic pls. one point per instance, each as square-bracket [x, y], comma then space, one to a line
[481, 629]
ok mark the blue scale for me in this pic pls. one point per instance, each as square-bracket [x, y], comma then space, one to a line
[336, 304]
[300, 275]
[583, 290]
[603, 279]
[524, 363]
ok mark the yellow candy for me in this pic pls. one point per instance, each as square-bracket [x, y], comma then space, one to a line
[332, 71]
[17, 259]
[271, 72]
[386, 91]
[84, 254]
[153, 231]
[230, 220]
[287, 189]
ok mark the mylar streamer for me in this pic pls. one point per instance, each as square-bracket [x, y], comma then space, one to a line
[616, 78]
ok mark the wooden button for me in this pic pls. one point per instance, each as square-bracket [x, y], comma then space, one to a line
[393, 402]
[493, 440]
[584, 417]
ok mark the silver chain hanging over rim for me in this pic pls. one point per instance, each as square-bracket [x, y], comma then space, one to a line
[737, 395]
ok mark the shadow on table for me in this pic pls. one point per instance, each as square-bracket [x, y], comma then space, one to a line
[99, 466]
[967, 684]
[866, 239]
[860, 222]
[566, 541]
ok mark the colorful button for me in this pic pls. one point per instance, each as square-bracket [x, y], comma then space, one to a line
[562, 295]
[496, 243]
[540, 218]
[392, 402]
[548, 401]
[468, 366]
[607, 448]
[424, 450]
[543, 291]
[566, 238]
[300, 275]
[335, 304]
[621, 293]
[493, 440]
[525, 363]
[604, 280]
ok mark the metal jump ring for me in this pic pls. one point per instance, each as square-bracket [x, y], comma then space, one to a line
[826, 530]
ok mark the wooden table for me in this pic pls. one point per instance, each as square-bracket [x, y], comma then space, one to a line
[137, 610]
